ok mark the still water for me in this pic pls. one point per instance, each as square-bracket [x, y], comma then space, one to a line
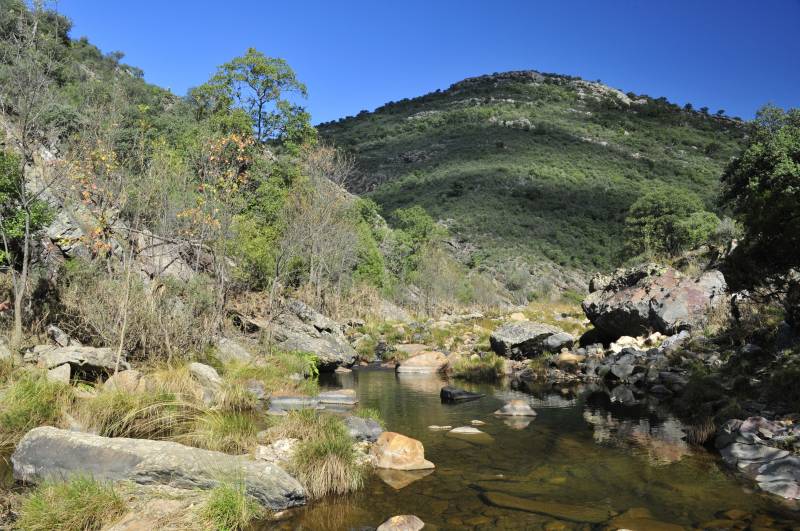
[581, 463]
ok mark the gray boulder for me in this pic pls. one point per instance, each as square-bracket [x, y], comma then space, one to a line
[652, 297]
[79, 357]
[231, 351]
[522, 339]
[299, 327]
[362, 429]
[46, 452]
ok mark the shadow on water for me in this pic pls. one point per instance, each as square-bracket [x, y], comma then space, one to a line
[579, 463]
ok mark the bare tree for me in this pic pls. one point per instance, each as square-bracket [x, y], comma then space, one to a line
[26, 97]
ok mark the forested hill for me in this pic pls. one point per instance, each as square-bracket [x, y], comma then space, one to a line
[535, 165]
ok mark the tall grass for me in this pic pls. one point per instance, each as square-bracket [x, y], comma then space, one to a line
[489, 367]
[138, 415]
[78, 504]
[222, 431]
[28, 401]
[229, 508]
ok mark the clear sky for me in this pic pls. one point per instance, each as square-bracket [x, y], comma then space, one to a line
[725, 54]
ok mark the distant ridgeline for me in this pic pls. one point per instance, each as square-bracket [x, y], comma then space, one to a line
[538, 166]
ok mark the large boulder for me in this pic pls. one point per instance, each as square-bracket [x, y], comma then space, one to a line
[79, 357]
[525, 339]
[299, 327]
[652, 297]
[399, 452]
[45, 453]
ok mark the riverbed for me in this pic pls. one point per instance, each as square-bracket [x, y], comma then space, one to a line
[582, 463]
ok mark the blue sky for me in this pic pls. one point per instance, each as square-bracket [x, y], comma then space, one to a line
[725, 54]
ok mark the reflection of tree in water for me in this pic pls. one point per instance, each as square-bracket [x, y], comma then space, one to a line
[663, 440]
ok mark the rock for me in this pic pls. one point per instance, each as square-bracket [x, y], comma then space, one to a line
[389, 311]
[623, 394]
[599, 282]
[424, 362]
[280, 452]
[5, 350]
[676, 341]
[299, 327]
[454, 394]
[51, 453]
[61, 374]
[343, 370]
[59, 337]
[128, 381]
[403, 522]
[412, 349]
[567, 361]
[206, 376]
[563, 511]
[516, 408]
[641, 518]
[434, 427]
[518, 316]
[519, 340]
[558, 341]
[346, 397]
[292, 402]
[362, 429]
[79, 357]
[650, 296]
[466, 430]
[399, 452]
[231, 351]
[477, 422]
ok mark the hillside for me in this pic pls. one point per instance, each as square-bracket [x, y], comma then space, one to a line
[531, 165]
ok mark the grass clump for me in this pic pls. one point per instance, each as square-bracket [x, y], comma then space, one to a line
[488, 367]
[29, 401]
[231, 432]
[370, 413]
[138, 415]
[274, 372]
[78, 504]
[229, 508]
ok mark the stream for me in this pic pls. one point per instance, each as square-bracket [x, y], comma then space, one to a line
[581, 455]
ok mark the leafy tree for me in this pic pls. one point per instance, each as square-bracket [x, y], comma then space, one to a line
[416, 230]
[666, 221]
[762, 187]
[258, 86]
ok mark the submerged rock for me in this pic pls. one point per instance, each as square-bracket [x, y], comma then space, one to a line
[345, 397]
[399, 479]
[403, 522]
[398, 452]
[50, 453]
[573, 513]
[454, 394]
[516, 408]
[285, 403]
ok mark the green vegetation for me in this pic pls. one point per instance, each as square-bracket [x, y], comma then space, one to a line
[533, 169]
[370, 413]
[223, 431]
[78, 504]
[479, 368]
[229, 508]
[30, 400]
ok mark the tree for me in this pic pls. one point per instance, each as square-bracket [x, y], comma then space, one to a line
[762, 187]
[28, 65]
[260, 86]
[665, 221]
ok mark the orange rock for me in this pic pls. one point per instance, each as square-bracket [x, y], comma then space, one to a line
[398, 452]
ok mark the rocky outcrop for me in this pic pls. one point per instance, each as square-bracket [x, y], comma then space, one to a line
[398, 452]
[425, 362]
[526, 339]
[652, 297]
[79, 357]
[758, 448]
[47, 452]
[299, 327]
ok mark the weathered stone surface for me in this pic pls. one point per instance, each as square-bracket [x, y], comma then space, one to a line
[280, 452]
[650, 296]
[232, 351]
[466, 430]
[91, 358]
[299, 327]
[362, 429]
[206, 376]
[59, 337]
[292, 402]
[519, 340]
[641, 518]
[572, 513]
[516, 408]
[558, 341]
[454, 394]
[47, 452]
[424, 362]
[569, 361]
[412, 349]
[398, 452]
[129, 381]
[60, 374]
[345, 397]
[403, 522]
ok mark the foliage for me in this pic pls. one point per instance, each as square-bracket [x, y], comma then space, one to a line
[231, 432]
[77, 504]
[370, 413]
[30, 400]
[762, 187]
[229, 508]
[665, 221]
[488, 367]
[136, 415]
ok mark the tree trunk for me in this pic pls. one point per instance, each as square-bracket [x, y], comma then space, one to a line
[21, 284]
